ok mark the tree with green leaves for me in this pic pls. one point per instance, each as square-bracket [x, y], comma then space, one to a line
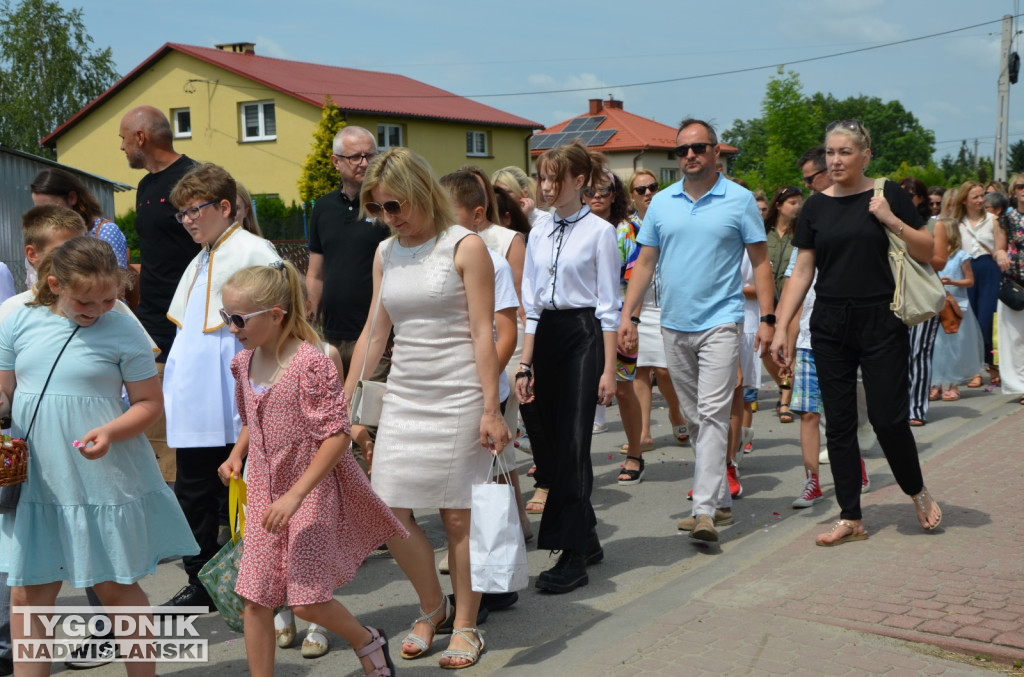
[1016, 157]
[792, 123]
[49, 70]
[319, 176]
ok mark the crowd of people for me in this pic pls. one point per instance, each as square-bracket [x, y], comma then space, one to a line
[496, 308]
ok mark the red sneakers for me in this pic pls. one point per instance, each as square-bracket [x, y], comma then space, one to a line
[733, 473]
[811, 493]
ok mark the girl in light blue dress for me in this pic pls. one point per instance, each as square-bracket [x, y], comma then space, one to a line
[94, 510]
[958, 356]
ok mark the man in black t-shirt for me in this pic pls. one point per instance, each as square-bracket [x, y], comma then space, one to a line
[341, 249]
[164, 245]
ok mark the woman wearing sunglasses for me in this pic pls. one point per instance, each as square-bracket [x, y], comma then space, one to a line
[433, 283]
[650, 360]
[841, 233]
[607, 200]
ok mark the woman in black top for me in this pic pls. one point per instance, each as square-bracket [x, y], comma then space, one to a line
[841, 232]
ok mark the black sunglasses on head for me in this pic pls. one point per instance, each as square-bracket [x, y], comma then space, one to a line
[698, 149]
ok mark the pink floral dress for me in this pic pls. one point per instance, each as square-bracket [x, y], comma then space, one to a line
[339, 523]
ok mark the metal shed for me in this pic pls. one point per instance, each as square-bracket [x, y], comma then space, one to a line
[17, 170]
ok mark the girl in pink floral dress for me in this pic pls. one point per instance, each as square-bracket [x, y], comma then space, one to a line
[313, 517]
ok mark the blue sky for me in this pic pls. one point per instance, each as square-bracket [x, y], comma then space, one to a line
[948, 82]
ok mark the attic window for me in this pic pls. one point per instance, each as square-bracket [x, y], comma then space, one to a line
[182, 123]
[259, 122]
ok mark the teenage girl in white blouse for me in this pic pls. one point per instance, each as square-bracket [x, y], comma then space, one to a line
[570, 295]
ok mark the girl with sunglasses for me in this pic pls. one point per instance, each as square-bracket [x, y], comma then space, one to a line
[651, 362]
[433, 282]
[841, 233]
[310, 505]
[199, 397]
[570, 293]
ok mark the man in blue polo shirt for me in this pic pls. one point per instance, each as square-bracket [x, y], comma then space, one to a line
[698, 230]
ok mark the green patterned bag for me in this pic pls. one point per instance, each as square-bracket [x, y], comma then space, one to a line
[221, 572]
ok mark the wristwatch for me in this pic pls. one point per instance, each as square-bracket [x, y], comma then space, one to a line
[769, 320]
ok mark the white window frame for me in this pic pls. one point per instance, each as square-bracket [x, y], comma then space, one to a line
[668, 175]
[384, 132]
[178, 133]
[261, 108]
[472, 145]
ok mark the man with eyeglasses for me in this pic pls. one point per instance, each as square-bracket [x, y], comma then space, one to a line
[342, 245]
[698, 229]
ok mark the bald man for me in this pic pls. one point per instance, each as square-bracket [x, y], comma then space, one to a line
[165, 246]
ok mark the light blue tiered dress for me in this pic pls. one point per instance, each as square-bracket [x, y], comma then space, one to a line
[82, 521]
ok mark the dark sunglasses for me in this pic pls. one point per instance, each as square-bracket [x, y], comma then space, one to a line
[698, 149]
[810, 178]
[643, 190]
[1018, 186]
[392, 207]
[852, 125]
[590, 192]
[240, 320]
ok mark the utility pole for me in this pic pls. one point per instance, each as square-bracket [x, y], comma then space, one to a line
[1003, 121]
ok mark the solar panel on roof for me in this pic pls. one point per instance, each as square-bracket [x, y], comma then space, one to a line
[584, 124]
[541, 141]
[574, 125]
[601, 137]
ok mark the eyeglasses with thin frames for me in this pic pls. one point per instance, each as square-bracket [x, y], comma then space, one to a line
[356, 158]
[240, 320]
[393, 207]
[192, 212]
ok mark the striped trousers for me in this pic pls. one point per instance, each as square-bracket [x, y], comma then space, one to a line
[922, 345]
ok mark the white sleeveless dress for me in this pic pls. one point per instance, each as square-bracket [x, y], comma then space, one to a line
[428, 452]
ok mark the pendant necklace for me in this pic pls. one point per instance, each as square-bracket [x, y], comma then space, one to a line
[414, 252]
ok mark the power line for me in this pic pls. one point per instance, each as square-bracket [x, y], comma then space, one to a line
[694, 77]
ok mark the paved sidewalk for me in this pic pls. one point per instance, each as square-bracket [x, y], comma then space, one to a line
[766, 600]
[807, 610]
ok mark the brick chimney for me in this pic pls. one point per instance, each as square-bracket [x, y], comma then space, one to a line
[613, 103]
[595, 106]
[238, 47]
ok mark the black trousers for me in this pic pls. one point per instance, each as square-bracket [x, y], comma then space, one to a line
[845, 337]
[535, 429]
[568, 357]
[204, 500]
